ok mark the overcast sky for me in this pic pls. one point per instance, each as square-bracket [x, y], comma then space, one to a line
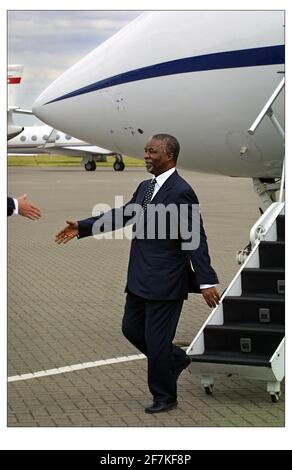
[48, 42]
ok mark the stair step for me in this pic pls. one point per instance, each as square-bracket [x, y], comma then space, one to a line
[280, 221]
[272, 254]
[262, 280]
[254, 309]
[234, 339]
[261, 296]
[225, 357]
[249, 327]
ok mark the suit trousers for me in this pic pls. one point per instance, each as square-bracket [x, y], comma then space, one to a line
[150, 326]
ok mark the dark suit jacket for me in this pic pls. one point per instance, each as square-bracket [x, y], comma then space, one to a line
[10, 206]
[160, 269]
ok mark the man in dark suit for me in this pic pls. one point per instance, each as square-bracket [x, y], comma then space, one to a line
[160, 273]
[22, 207]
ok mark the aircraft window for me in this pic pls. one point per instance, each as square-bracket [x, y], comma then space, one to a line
[22, 138]
[58, 137]
[45, 137]
[34, 137]
[68, 137]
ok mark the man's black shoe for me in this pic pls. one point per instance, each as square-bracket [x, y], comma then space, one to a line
[183, 367]
[158, 407]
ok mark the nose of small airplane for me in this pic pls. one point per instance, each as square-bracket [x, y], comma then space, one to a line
[39, 110]
[45, 106]
[60, 108]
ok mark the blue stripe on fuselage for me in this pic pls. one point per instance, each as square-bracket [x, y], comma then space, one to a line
[268, 55]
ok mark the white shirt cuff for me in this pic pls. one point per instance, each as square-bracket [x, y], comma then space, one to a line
[206, 286]
[15, 211]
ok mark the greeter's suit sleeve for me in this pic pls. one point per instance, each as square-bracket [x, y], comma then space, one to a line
[199, 256]
[112, 220]
[10, 206]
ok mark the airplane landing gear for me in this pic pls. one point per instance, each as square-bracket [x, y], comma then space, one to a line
[119, 164]
[90, 162]
[90, 165]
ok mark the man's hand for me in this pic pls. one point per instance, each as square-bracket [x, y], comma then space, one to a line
[211, 296]
[69, 232]
[26, 209]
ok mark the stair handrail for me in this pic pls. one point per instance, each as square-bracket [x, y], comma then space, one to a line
[260, 229]
[281, 194]
[267, 110]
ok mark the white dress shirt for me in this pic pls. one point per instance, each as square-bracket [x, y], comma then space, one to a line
[160, 180]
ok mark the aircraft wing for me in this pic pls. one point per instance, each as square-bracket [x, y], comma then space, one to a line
[14, 129]
[11, 154]
[19, 110]
[79, 151]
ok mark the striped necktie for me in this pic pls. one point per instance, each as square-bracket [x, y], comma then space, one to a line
[149, 193]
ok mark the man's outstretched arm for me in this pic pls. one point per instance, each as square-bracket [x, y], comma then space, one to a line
[23, 207]
[83, 228]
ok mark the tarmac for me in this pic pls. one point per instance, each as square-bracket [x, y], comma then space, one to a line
[68, 362]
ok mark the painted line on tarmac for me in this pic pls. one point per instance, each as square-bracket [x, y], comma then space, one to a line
[84, 365]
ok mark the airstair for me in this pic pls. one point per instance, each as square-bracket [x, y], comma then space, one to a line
[245, 334]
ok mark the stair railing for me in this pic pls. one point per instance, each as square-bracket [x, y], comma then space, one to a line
[264, 224]
[265, 227]
[268, 111]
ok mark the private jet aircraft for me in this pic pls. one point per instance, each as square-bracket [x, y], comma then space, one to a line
[35, 140]
[203, 76]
